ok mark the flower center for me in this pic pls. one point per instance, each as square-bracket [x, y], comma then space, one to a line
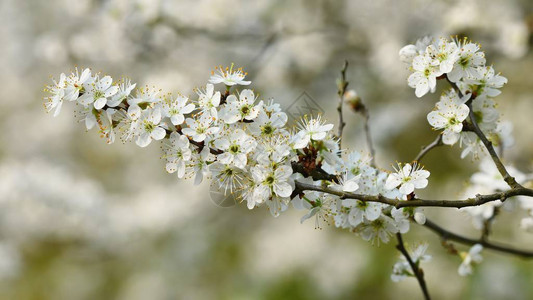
[464, 61]
[362, 205]
[245, 110]
[234, 149]
[453, 121]
[200, 129]
[355, 171]
[98, 94]
[149, 126]
[267, 129]
[269, 180]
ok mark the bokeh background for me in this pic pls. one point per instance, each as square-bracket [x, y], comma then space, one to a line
[80, 219]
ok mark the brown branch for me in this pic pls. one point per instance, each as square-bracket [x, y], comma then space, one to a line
[474, 201]
[369, 143]
[487, 224]
[510, 180]
[447, 235]
[342, 85]
[436, 143]
[419, 274]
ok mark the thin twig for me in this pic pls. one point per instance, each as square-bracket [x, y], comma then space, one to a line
[342, 85]
[369, 142]
[510, 180]
[436, 143]
[474, 201]
[487, 225]
[447, 235]
[419, 274]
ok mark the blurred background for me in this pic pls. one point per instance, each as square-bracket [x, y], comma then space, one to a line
[80, 219]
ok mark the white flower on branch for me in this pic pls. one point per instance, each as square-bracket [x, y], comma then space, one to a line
[378, 230]
[175, 109]
[311, 130]
[143, 99]
[319, 205]
[75, 83]
[485, 114]
[424, 79]
[470, 58]
[236, 147]
[361, 211]
[449, 115]
[149, 127]
[201, 128]
[199, 165]
[445, 52]
[55, 101]
[269, 124]
[177, 153]
[208, 100]
[124, 91]
[98, 92]
[272, 180]
[243, 108]
[403, 270]
[228, 76]
[408, 178]
[471, 144]
[484, 83]
[470, 258]
[409, 52]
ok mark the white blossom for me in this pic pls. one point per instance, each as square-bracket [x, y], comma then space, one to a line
[208, 100]
[236, 147]
[424, 78]
[271, 180]
[446, 53]
[98, 92]
[408, 178]
[177, 153]
[402, 269]
[449, 115]
[175, 109]
[199, 165]
[472, 257]
[55, 101]
[201, 128]
[243, 108]
[149, 127]
[320, 206]
[228, 76]
[311, 130]
[124, 90]
[76, 83]
[484, 83]
[409, 52]
[378, 230]
[361, 211]
[466, 66]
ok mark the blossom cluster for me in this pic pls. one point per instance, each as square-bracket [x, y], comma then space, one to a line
[244, 145]
[463, 64]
